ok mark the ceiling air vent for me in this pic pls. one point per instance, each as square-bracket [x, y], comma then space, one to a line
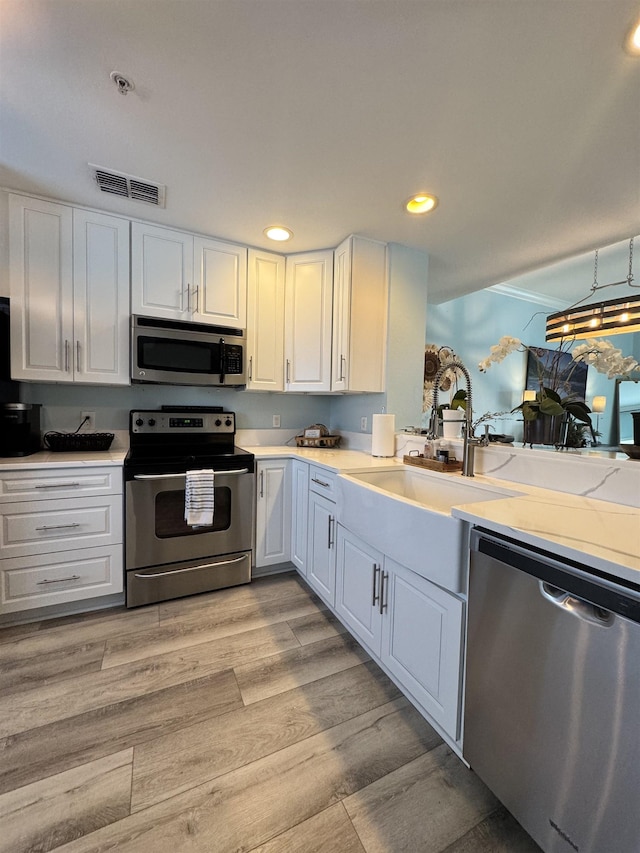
[137, 189]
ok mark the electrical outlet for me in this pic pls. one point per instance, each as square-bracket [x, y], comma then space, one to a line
[276, 420]
[363, 424]
[89, 425]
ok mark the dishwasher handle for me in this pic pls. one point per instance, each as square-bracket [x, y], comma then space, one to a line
[599, 592]
[584, 610]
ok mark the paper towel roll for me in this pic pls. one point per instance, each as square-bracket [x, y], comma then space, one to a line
[383, 435]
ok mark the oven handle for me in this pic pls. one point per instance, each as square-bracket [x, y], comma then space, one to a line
[190, 568]
[182, 476]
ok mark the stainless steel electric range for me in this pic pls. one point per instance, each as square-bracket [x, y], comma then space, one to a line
[164, 557]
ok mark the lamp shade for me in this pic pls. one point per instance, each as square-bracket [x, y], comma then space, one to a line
[599, 404]
[528, 396]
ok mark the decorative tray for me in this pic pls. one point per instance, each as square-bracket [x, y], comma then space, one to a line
[319, 441]
[433, 464]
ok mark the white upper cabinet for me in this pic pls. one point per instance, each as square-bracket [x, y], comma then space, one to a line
[161, 272]
[308, 306]
[220, 295]
[360, 299]
[265, 322]
[69, 271]
[181, 276]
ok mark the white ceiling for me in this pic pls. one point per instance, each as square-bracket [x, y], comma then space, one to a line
[523, 116]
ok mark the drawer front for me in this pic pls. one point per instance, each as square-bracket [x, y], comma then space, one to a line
[322, 481]
[50, 526]
[47, 483]
[43, 580]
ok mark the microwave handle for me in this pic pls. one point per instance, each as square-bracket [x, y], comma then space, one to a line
[223, 360]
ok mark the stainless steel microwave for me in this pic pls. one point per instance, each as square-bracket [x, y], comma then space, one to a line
[178, 353]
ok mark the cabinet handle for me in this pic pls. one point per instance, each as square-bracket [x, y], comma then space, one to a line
[329, 533]
[55, 485]
[78, 356]
[343, 362]
[59, 580]
[66, 356]
[57, 526]
[374, 594]
[321, 483]
[261, 484]
[181, 294]
[288, 371]
[384, 576]
[250, 368]
[196, 301]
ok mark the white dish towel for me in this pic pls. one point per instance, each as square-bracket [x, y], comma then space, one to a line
[199, 498]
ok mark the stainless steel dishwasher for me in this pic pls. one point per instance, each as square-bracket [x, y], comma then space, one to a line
[552, 705]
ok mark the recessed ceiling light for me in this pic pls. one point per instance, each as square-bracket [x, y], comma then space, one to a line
[632, 42]
[421, 203]
[278, 232]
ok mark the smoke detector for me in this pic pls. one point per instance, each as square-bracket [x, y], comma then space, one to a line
[128, 186]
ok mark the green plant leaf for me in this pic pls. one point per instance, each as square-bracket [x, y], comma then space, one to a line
[579, 411]
[550, 407]
[530, 412]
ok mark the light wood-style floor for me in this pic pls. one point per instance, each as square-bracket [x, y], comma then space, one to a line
[241, 720]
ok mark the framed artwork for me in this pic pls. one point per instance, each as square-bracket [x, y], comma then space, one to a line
[553, 369]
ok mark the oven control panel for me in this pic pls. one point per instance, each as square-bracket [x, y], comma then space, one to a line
[181, 423]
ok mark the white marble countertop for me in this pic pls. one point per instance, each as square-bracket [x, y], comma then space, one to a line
[336, 460]
[59, 460]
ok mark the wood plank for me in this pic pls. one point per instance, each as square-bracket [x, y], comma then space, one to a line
[72, 631]
[264, 589]
[206, 626]
[50, 749]
[47, 704]
[331, 831]
[168, 765]
[269, 676]
[47, 668]
[47, 814]
[426, 805]
[257, 802]
[498, 833]
[316, 626]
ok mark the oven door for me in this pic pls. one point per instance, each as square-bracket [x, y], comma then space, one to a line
[156, 532]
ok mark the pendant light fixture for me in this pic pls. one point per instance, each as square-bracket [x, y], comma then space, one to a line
[609, 317]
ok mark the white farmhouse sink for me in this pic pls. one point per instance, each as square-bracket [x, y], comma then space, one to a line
[438, 493]
[405, 513]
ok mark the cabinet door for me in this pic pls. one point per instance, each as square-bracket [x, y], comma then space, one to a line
[265, 322]
[161, 272]
[101, 298]
[308, 306]
[321, 552]
[41, 275]
[220, 293]
[422, 643]
[299, 514]
[273, 513]
[358, 588]
[360, 310]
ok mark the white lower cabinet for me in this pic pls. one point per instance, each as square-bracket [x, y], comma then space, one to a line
[273, 513]
[321, 553]
[412, 626]
[299, 514]
[61, 549]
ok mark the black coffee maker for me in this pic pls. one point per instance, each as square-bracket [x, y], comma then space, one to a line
[19, 429]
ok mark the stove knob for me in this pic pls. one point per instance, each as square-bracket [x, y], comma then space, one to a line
[139, 422]
[152, 422]
[228, 422]
[218, 422]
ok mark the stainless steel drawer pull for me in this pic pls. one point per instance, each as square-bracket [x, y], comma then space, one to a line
[144, 575]
[58, 526]
[182, 476]
[78, 356]
[55, 485]
[321, 483]
[59, 580]
[330, 532]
